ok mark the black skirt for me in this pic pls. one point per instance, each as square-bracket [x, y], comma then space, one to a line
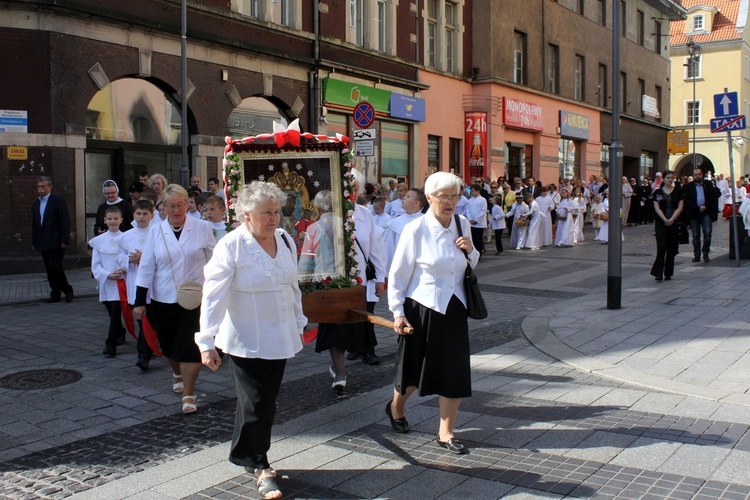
[435, 358]
[176, 326]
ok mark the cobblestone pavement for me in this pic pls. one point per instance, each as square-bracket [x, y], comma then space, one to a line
[565, 423]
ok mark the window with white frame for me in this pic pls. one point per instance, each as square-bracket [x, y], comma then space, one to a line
[284, 12]
[746, 71]
[443, 28]
[699, 22]
[381, 23]
[356, 22]
[432, 27]
[519, 57]
[693, 112]
[693, 67]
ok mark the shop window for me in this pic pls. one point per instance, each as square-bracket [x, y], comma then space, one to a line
[433, 152]
[395, 149]
[455, 150]
[569, 158]
[648, 160]
[133, 110]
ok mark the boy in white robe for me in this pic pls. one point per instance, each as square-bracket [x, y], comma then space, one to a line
[378, 213]
[518, 210]
[106, 268]
[131, 245]
[215, 212]
[412, 203]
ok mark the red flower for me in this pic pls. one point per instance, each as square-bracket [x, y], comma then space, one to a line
[359, 280]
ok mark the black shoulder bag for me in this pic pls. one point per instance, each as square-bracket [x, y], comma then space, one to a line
[475, 306]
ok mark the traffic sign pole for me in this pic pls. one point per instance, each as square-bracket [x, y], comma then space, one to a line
[734, 201]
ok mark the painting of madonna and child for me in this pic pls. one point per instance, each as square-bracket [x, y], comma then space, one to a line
[313, 213]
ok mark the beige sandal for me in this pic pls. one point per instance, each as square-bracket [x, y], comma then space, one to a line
[188, 405]
[177, 385]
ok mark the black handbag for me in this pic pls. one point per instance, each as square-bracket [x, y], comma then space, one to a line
[369, 267]
[475, 306]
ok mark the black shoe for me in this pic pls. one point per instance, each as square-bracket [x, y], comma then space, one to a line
[658, 278]
[142, 364]
[453, 445]
[399, 425]
[706, 259]
[370, 359]
[110, 350]
[354, 355]
[69, 296]
[667, 278]
[696, 259]
[120, 340]
[52, 300]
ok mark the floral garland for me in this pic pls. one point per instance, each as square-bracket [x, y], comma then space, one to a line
[233, 182]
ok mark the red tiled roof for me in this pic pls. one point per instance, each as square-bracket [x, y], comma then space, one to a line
[724, 28]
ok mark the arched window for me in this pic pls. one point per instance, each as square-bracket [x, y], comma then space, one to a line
[255, 115]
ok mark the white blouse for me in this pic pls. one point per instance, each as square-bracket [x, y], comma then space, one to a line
[428, 266]
[252, 305]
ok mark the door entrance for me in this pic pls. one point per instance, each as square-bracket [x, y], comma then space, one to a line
[519, 163]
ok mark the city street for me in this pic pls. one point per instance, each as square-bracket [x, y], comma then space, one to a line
[569, 398]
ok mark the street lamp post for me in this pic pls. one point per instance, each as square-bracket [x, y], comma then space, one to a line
[694, 54]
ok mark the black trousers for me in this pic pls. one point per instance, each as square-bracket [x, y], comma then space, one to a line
[257, 383]
[667, 248]
[477, 238]
[116, 331]
[498, 241]
[53, 264]
[144, 351]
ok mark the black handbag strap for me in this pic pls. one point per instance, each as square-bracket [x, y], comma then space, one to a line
[367, 259]
[286, 243]
[466, 254]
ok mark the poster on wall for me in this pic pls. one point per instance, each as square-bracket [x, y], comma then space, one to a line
[475, 138]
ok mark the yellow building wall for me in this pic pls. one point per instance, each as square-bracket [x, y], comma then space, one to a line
[720, 70]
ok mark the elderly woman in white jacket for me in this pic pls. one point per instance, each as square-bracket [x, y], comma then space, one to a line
[426, 293]
[177, 249]
[252, 311]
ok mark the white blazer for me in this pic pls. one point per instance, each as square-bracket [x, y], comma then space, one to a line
[189, 255]
[428, 266]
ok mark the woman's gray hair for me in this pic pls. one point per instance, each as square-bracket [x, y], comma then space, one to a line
[324, 200]
[443, 181]
[251, 195]
[175, 191]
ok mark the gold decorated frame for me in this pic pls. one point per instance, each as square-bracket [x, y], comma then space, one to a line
[301, 175]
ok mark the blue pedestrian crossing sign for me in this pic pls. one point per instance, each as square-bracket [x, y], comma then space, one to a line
[726, 104]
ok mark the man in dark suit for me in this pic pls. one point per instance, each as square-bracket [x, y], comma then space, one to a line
[700, 205]
[50, 234]
[532, 188]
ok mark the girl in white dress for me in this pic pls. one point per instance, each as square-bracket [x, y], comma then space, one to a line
[564, 235]
[517, 211]
[579, 214]
[596, 212]
[603, 234]
[535, 231]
